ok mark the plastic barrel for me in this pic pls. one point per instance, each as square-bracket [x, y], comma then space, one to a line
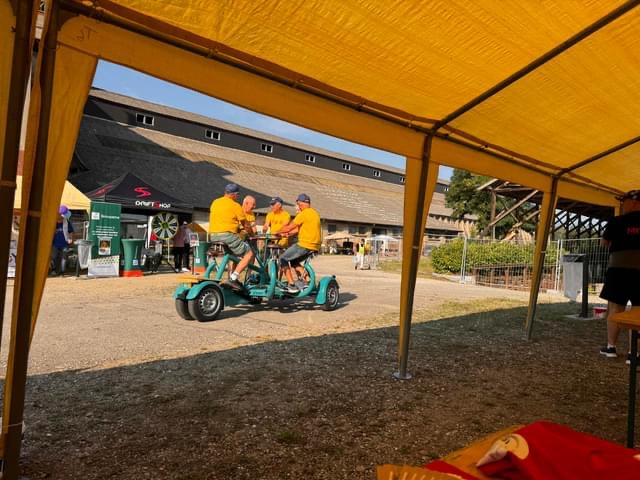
[200, 256]
[132, 254]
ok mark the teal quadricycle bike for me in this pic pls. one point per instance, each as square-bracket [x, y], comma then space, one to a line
[204, 297]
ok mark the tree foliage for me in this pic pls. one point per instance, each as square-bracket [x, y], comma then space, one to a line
[464, 199]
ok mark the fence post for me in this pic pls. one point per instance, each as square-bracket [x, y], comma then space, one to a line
[556, 287]
[584, 308]
[463, 263]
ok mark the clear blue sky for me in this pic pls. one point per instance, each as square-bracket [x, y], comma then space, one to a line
[135, 84]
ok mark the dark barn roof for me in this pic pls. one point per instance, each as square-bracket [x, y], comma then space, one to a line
[196, 172]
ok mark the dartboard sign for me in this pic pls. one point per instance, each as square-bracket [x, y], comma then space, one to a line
[165, 225]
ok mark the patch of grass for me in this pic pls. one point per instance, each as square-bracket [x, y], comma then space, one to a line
[425, 269]
[290, 438]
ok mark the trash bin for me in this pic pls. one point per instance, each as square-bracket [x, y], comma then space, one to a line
[572, 270]
[84, 252]
[200, 256]
[132, 249]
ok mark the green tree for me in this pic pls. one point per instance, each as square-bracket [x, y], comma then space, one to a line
[464, 198]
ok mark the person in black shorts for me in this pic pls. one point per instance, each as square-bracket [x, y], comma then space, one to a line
[622, 279]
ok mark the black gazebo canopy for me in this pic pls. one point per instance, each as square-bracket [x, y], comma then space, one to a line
[134, 193]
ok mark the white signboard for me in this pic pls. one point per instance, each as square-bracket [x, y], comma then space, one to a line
[13, 251]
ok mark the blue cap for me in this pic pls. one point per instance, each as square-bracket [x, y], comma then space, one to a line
[275, 200]
[231, 188]
[63, 209]
[303, 197]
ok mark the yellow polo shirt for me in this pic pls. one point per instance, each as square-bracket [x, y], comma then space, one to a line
[251, 218]
[225, 215]
[276, 222]
[309, 232]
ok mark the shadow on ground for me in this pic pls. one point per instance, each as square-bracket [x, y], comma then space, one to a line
[324, 407]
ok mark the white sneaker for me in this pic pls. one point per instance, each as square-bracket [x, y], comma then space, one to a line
[185, 269]
[292, 289]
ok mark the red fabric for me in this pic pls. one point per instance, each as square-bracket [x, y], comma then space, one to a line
[444, 467]
[559, 453]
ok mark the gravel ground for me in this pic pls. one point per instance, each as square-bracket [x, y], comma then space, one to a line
[119, 387]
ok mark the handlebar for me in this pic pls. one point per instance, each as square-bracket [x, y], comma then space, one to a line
[266, 236]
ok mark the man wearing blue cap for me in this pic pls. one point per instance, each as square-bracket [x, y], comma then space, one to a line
[307, 225]
[226, 217]
[276, 219]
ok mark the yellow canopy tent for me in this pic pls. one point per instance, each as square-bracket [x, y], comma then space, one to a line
[71, 197]
[546, 95]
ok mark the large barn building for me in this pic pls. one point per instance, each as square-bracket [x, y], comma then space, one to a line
[192, 157]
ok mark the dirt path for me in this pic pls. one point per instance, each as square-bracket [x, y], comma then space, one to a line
[120, 388]
[106, 322]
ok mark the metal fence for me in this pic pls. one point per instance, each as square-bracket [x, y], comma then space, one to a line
[509, 265]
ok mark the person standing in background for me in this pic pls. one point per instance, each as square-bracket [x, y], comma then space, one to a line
[360, 254]
[61, 240]
[622, 279]
[179, 250]
[186, 250]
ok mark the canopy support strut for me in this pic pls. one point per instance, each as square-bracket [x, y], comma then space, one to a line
[420, 183]
[547, 214]
[31, 220]
[20, 69]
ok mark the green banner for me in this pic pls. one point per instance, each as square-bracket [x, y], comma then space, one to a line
[104, 233]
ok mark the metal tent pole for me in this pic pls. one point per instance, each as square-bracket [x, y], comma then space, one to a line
[23, 300]
[421, 176]
[547, 215]
[26, 15]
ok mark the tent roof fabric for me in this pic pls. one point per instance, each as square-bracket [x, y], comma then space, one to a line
[71, 197]
[131, 191]
[445, 63]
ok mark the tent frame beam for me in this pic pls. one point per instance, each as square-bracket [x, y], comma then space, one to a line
[547, 214]
[599, 156]
[17, 364]
[410, 269]
[20, 72]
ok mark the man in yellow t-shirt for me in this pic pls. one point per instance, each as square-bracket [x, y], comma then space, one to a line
[307, 225]
[225, 219]
[276, 219]
[248, 204]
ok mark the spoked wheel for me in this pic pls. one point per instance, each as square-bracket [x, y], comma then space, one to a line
[183, 309]
[207, 305]
[332, 296]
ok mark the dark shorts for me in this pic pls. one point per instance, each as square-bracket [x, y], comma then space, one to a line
[622, 285]
[237, 246]
[295, 255]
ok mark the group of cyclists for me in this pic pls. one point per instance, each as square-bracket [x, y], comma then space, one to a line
[232, 224]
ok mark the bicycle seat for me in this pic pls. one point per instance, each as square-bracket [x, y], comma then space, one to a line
[218, 249]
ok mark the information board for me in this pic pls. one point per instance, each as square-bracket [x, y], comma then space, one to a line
[104, 233]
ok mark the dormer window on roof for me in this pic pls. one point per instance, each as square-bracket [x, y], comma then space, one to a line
[144, 119]
[212, 134]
